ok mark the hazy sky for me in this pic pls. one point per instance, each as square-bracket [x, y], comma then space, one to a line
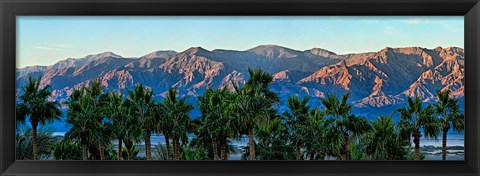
[46, 40]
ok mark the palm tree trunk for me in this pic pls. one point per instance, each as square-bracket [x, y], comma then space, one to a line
[345, 146]
[129, 145]
[148, 148]
[102, 151]
[223, 149]
[251, 143]
[35, 141]
[177, 153]
[119, 149]
[129, 155]
[416, 141]
[93, 151]
[84, 151]
[214, 147]
[298, 151]
[167, 145]
[312, 156]
[176, 148]
[210, 153]
[344, 156]
[444, 145]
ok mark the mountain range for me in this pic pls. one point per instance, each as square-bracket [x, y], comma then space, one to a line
[378, 82]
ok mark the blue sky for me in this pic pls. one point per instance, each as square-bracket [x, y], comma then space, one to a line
[46, 40]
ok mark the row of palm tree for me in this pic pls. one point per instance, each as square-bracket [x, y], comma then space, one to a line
[98, 118]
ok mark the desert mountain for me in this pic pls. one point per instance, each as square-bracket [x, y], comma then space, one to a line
[376, 80]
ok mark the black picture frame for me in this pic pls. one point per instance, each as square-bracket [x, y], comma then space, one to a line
[9, 9]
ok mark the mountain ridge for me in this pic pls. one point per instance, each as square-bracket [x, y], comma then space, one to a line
[374, 79]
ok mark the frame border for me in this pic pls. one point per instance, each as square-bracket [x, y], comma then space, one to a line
[9, 9]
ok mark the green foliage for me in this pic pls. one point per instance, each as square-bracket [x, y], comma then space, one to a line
[34, 104]
[110, 152]
[254, 104]
[342, 123]
[178, 111]
[449, 111]
[450, 115]
[117, 114]
[318, 143]
[140, 103]
[416, 117]
[357, 151]
[385, 142]
[159, 153]
[217, 107]
[188, 153]
[85, 115]
[134, 153]
[273, 136]
[24, 143]
[66, 150]
[297, 121]
[411, 154]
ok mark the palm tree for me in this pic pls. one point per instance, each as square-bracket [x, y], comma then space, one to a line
[117, 114]
[164, 126]
[343, 123]
[254, 102]
[216, 108]
[178, 111]
[133, 134]
[82, 116]
[132, 131]
[203, 138]
[247, 118]
[107, 135]
[227, 131]
[37, 108]
[449, 113]
[384, 142]
[142, 104]
[272, 144]
[209, 105]
[296, 119]
[226, 128]
[415, 117]
[315, 135]
[86, 114]
[99, 107]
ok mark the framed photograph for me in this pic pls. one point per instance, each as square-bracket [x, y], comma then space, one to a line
[239, 87]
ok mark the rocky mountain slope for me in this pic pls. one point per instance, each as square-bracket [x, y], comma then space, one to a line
[378, 81]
